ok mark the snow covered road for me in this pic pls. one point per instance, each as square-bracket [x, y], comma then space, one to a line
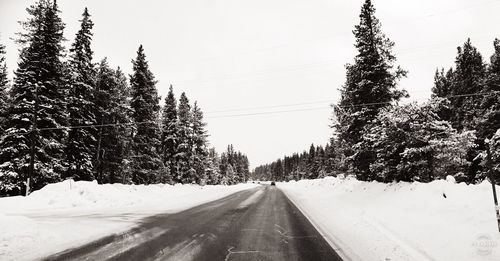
[70, 214]
[257, 224]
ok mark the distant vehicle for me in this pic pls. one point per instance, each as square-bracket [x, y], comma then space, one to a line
[272, 183]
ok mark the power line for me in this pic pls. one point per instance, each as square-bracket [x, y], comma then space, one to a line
[344, 106]
[97, 125]
[266, 113]
[271, 107]
[258, 113]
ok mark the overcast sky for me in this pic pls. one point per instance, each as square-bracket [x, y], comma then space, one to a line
[232, 55]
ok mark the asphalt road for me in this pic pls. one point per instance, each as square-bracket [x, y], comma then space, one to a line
[258, 224]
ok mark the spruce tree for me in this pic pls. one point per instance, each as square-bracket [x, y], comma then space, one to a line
[199, 143]
[185, 172]
[213, 167]
[490, 104]
[443, 86]
[113, 141]
[170, 132]
[80, 146]
[371, 84]
[468, 79]
[4, 81]
[38, 96]
[147, 166]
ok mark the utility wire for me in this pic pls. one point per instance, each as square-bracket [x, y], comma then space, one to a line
[260, 113]
[271, 107]
[266, 113]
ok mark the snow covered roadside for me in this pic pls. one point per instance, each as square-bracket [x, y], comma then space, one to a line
[402, 221]
[68, 214]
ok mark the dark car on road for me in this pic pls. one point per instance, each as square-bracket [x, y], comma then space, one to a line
[272, 183]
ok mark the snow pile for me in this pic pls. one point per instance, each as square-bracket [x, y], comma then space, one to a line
[441, 220]
[68, 214]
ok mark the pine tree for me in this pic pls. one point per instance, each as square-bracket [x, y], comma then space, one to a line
[468, 79]
[38, 96]
[170, 131]
[490, 104]
[113, 142]
[213, 167]
[147, 166]
[311, 163]
[372, 79]
[199, 143]
[184, 145]
[80, 146]
[494, 147]
[443, 86]
[4, 82]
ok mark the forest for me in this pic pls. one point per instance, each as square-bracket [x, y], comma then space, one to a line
[375, 137]
[64, 116]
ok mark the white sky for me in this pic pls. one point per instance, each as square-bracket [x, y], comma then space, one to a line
[235, 54]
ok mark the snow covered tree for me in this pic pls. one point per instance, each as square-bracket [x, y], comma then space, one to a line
[80, 147]
[371, 85]
[494, 144]
[443, 88]
[234, 165]
[170, 131]
[468, 82]
[111, 156]
[311, 162]
[199, 143]
[451, 154]
[400, 139]
[468, 79]
[185, 171]
[412, 143]
[147, 166]
[490, 104]
[4, 82]
[442, 83]
[37, 113]
[213, 167]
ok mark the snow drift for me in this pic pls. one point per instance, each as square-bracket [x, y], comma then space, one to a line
[440, 220]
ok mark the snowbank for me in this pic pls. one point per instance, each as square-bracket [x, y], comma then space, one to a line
[441, 220]
[69, 213]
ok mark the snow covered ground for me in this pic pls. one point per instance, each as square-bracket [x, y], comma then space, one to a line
[68, 214]
[402, 221]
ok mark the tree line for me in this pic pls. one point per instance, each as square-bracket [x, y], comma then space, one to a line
[318, 162]
[456, 132]
[72, 118]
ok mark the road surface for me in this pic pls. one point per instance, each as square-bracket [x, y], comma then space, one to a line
[257, 224]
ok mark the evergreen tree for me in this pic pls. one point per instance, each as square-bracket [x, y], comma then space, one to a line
[372, 79]
[170, 131]
[443, 84]
[213, 167]
[147, 166]
[490, 104]
[38, 97]
[311, 163]
[468, 79]
[114, 141]
[494, 147]
[199, 143]
[184, 148]
[4, 82]
[80, 146]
